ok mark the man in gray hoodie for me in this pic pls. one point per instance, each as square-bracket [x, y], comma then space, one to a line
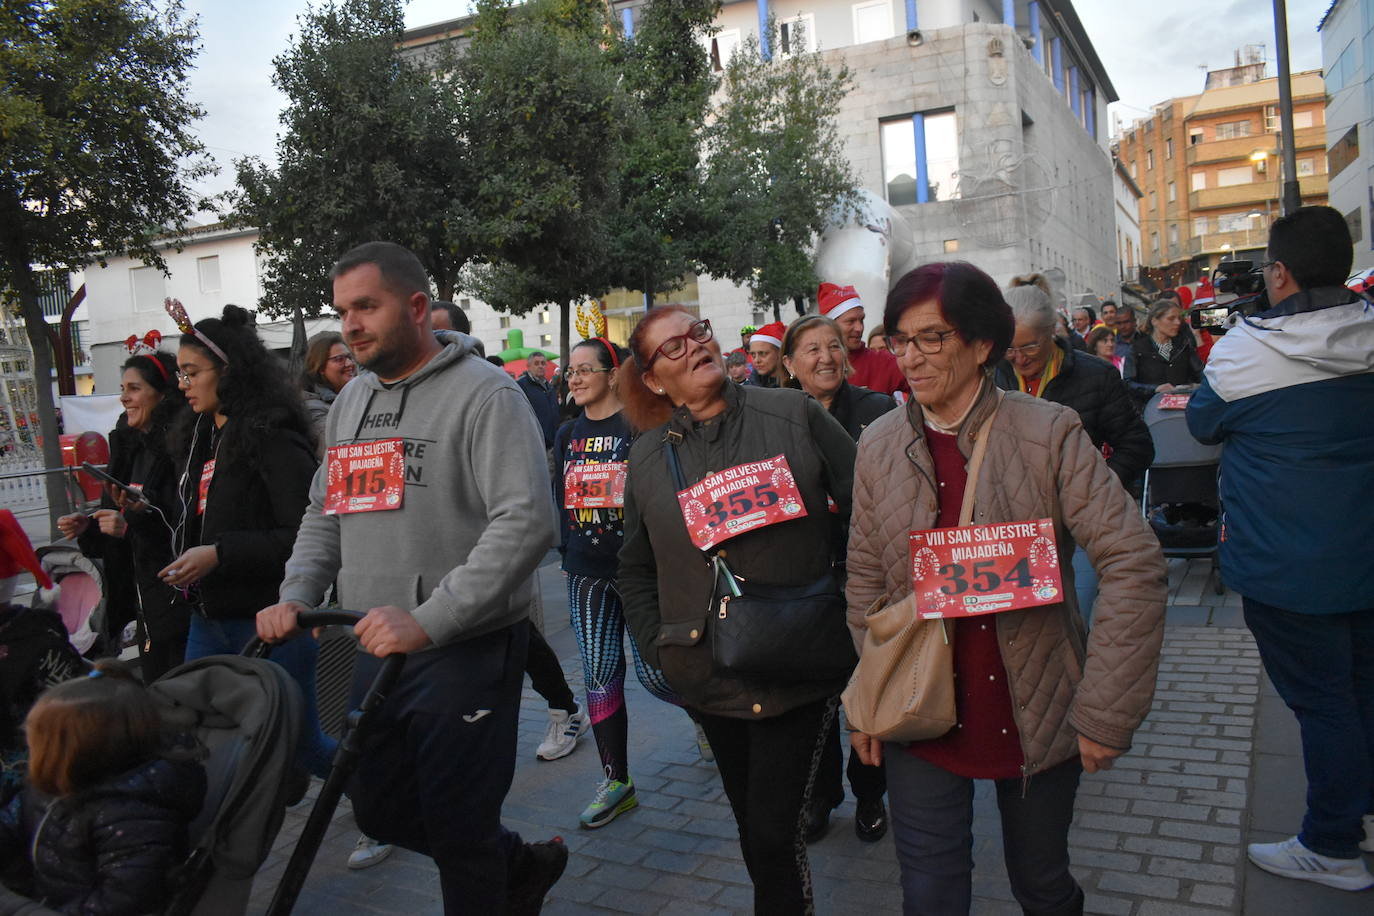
[431, 511]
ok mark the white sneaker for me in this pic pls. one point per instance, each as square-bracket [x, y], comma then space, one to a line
[1291, 859]
[1367, 844]
[704, 744]
[564, 730]
[367, 852]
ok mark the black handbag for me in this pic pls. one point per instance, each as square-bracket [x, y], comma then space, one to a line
[774, 632]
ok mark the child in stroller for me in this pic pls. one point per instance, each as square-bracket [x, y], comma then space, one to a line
[105, 815]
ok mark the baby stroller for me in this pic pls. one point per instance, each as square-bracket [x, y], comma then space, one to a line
[1180, 497]
[78, 596]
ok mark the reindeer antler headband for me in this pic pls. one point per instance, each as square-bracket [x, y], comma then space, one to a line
[183, 323]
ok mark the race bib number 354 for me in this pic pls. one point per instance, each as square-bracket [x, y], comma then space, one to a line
[366, 477]
[740, 499]
[985, 569]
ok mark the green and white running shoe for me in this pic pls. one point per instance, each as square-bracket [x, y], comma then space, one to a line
[613, 798]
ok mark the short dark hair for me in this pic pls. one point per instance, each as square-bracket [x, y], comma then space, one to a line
[399, 267]
[969, 300]
[1314, 245]
[456, 316]
[496, 360]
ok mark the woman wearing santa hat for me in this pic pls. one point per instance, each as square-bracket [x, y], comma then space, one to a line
[765, 349]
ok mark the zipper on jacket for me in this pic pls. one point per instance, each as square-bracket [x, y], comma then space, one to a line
[38, 831]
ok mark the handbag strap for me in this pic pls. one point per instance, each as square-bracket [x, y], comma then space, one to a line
[980, 448]
[717, 559]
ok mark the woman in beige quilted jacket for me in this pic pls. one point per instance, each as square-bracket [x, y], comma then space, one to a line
[1037, 703]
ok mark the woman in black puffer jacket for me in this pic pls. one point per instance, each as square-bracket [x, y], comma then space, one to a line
[103, 824]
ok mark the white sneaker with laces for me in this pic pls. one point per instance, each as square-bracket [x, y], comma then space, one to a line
[1367, 844]
[1291, 859]
[367, 852]
[564, 730]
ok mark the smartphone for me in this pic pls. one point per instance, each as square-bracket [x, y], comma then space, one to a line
[132, 492]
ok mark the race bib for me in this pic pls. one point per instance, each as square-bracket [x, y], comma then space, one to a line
[366, 477]
[207, 474]
[739, 499]
[1174, 401]
[598, 485]
[985, 569]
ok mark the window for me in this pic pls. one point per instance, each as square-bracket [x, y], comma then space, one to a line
[1169, 148]
[1227, 178]
[1232, 129]
[951, 246]
[1173, 195]
[1271, 119]
[1302, 119]
[901, 168]
[797, 35]
[207, 270]
[872, 21]
[465, 304]
[1154, 243]
[1352, 219]
[1133, 173]
[1154, 201]
[505, 322]
[546, 340]
[544, 316]
[1173, 235]
[1194, 136]
[1199, 181]
[148, 288]
[1342, 71]
[723, 46]
[1149, 159]
[1306, 167]
[1345, 151]
[1199, 225]
[1233, 222]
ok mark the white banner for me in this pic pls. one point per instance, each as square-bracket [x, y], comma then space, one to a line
[97, 412]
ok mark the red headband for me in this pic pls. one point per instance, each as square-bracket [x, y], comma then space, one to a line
[610, 348]
[161, 369]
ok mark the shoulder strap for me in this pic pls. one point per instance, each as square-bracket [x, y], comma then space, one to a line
[980, 447]
[674, 466]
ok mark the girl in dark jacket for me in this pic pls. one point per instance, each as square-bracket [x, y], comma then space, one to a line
[104, 820]
[1164, 357]
[139, 456]
[246, 463]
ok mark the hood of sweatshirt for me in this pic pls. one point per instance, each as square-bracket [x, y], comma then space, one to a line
[1311, 336]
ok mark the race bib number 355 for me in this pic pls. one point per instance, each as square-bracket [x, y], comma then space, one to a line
[740, 499]
[985, 569]
[366, 477]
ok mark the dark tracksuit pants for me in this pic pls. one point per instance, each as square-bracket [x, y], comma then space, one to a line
[440, 761]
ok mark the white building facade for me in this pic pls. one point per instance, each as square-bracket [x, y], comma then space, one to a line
[1347, 34]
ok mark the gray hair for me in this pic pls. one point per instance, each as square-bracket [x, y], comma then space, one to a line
[1031, 307]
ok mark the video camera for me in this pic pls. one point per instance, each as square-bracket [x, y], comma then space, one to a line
[1245, 282]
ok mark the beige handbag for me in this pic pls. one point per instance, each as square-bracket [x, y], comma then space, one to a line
[903, 687]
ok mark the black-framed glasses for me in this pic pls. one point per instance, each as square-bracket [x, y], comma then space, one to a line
[1265, 265]
[341, 359]
[675, 347]
[928, 342]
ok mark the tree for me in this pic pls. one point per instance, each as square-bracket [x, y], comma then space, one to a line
[776, 172]
[370, 150]
[667, 73]
[96, 150]
[543, 113]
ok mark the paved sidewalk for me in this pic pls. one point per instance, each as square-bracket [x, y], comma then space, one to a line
[1162, 833]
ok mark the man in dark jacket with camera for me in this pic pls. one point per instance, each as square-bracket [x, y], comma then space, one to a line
[1287, 392]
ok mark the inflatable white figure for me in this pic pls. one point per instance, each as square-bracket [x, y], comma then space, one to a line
[868, 252]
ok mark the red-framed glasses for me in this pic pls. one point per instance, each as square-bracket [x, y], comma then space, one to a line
[675, 347]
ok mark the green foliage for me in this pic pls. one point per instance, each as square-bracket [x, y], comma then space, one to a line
[776, 173]
[370, 150]
[667, 73]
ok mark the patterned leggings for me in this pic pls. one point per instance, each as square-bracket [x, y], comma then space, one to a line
[598, 621]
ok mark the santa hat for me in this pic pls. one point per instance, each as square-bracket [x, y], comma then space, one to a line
[1206, 295]
[16, 553]
[769, 334]
[836, 300]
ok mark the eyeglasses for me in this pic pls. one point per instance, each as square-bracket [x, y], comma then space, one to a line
[1265, 265]
[186, 378]
[584, 372]
[675, 347]
[341, 358]
[1030, 349]
[928, 342]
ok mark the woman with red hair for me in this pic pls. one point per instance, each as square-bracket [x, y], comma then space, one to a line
[771, 458]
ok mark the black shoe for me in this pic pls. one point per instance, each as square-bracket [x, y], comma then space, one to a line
[543, 866]
[818, 819]
[870, 820]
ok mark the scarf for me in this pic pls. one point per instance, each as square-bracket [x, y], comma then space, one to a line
[1051, 370]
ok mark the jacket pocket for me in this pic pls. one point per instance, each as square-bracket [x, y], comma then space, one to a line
[682, 634]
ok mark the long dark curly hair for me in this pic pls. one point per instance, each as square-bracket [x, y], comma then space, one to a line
[253, 390]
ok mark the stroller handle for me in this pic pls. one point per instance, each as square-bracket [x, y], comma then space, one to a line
[306, 621]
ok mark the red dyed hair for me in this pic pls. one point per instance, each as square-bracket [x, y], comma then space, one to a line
[644, 408]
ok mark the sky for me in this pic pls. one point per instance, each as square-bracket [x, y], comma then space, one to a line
[1148, 59]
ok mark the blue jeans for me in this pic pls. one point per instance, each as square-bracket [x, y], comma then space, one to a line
[297, 656]
[1084, 584]
[1322, 665]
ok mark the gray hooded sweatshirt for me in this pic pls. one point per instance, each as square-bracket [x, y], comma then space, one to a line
[476, 516]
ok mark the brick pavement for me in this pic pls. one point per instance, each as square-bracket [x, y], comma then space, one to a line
[1162, 833]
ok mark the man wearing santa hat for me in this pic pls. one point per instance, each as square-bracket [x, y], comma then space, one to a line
[765, 349]
[874, 369]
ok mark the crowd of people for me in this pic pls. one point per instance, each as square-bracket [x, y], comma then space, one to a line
[745, 519]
